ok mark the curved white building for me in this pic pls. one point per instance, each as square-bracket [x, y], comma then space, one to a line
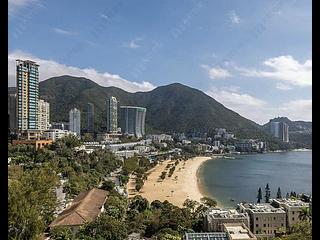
[132, 120]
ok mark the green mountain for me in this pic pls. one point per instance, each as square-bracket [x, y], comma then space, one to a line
[170, 108]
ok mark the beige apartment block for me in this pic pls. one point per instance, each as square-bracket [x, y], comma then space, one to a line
[238, 231]
[265, 220]
[215, 218]
[293, 208]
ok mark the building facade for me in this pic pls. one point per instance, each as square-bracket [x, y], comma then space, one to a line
[280, 130]
[292, 207]
[44, 115]
[265, 220]
[27, 74]
[12, 103]
[132, 120]
[215, 218]
[90, 117]
[112, 115]
[75, 121]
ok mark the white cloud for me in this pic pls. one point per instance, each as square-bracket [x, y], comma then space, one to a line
[283, 87]
[133, 44]
[259, 110]
[234, 18]
[216, 72]
[104, 16]
[50, 68]
[284, 68]
[64, 32]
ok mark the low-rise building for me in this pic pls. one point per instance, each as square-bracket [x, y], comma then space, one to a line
[157, 138]
[55, 134]
[127, 146]
[265, 220]
[85, 208]
[238, 231]
[215, 218]
[109, 137]
[293, 208]
[185, 141]
[126, 153]
[38, 144]
[206, 236]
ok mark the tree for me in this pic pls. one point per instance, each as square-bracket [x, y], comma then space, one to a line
[259, 196]
[190, 204]
[104, 227]
[139, 184]
[287, 196]
[267, 196]
[209, 202]
[279, 193]
[305, 214]
[61, 233]
[108, 185]
[139, 203]
[163, 175]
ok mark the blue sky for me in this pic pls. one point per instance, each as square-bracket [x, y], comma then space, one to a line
[252, 56]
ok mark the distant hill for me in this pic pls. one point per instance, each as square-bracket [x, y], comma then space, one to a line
[299, 131]
[170, 108]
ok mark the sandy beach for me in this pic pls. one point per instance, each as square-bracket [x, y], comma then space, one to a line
[176, 189]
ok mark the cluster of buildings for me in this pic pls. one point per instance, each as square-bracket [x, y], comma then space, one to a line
[280, 130]
[251, 220]
[29, 116]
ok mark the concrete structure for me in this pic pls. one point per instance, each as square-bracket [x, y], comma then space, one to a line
[157, 138]
[280, 130]
[120, 146]
[90, 117]
[12, 111]
[55, 134]
[27, 94]
[59, 125]
[292, 207]
[31, 134]
[112, 115]
[36, 143]
[43, 115]
[126, 153]
[75, 121]
[109, 137]
[238, 231]
[265, 220]
[216, 217]
[132, 120]
[206, 236]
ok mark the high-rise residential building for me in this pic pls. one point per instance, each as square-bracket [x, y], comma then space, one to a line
[44, 115]
[280, 130]
[112, 114]
[90, 117]
[12, 103]
[75, 121]
[132, 120]
[27, 94]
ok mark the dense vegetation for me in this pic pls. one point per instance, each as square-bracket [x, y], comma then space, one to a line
[171, 108]
[34, 175]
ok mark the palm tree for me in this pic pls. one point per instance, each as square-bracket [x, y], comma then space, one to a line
[305, 214]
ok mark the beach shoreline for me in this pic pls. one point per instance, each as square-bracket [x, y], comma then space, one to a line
[183, 184]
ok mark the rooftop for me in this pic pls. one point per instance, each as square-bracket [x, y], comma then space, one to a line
[292, 202]
[225, 213]
[85, 208]
[262, 208]
[206, 236]
[238, 231]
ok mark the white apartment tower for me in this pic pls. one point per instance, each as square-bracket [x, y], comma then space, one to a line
[75, 121]
[43, 115]
[112, 114]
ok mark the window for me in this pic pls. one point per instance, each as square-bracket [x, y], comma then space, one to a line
[264, 225]
[256, 232]
[281, 224]
[274, 218]
[256, 218]
[293, 219]
[293, 212]
[257, 225]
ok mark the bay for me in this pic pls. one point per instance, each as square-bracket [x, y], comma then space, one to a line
[239, 179]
